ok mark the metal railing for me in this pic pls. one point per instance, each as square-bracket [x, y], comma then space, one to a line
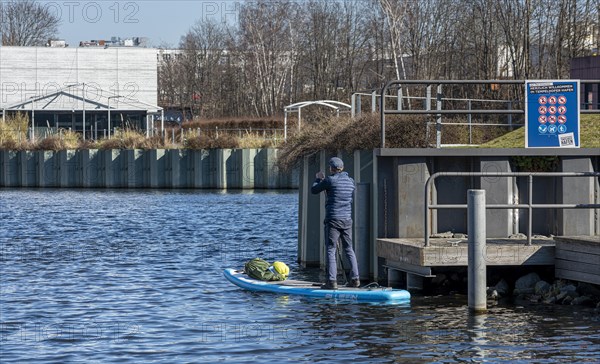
[529, 205]
[438, 111]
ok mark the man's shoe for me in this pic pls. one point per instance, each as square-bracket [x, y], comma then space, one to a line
[330, 285]
[353, 283]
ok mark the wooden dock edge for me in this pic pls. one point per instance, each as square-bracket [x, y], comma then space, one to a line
[578, 258]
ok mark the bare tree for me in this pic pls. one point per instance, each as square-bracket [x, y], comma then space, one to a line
[264, 44]
[26, 23]
[281, 52]
[203, 49]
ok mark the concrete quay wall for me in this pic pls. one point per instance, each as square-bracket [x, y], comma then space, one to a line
[160, 168]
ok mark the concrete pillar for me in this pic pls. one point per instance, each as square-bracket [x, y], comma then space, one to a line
[411, 177]
[173, 168]
[40, 164]
[310, 226]
[27, 168]
[209, 168]
[127, 168]
[137, 170]
[273, 173]
[222, 155]
[247, 168]
[576, 190]
[84, 156]
[219, 180]
[374, 217]
[476, 202]
[50, 160]
[158, 167]
[185, 168]
[151, 161]
[267, 174]
[74, 169]
[61, 167]
[197, 174]
[4, 170]
[260, 168]
[22, 168]
[295, 178]
[233, 169]
[90, 167]
[323, 167]
[499, 190]
[362, 231]
[111, 168]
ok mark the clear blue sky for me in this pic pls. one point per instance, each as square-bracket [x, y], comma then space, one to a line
[162, 22]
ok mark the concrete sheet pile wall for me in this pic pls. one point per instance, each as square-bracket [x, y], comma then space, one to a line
[311, 243]
[394, 185]
[173, 168]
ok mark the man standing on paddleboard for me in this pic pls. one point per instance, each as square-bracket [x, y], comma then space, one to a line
[339, 190]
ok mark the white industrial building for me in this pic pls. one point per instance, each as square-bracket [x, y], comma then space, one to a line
[58, 87]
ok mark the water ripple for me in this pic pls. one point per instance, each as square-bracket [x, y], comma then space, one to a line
[136, 276]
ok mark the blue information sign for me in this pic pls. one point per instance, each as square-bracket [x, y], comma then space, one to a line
[552, 114]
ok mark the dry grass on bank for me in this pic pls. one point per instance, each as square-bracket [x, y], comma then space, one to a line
[130, 139]
[64, 140]
[200, 134]
[13, 133]
[273, 122]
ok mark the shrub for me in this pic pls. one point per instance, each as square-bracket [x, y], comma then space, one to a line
[71, 139]
[204, 142]
[348, 134]
[50, 143]
[131, 139]
[13, 132]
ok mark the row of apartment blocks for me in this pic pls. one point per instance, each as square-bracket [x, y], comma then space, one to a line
[113, 42]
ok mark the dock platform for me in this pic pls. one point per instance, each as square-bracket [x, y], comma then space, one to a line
[412, 257]
[575, 258]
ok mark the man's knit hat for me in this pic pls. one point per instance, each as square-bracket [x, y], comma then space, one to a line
[336, 163]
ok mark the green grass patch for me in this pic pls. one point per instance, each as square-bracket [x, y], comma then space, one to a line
[589, 133]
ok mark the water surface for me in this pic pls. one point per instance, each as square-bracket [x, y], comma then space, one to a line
[136, 276]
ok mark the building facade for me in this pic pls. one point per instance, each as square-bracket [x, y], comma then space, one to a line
[587, 68]
[58, 86]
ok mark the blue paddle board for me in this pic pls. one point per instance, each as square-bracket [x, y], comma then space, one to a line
[310, 289]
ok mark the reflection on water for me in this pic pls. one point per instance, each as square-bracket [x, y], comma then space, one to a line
[136, 276]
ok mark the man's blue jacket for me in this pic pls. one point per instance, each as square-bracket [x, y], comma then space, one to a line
[339, 189]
